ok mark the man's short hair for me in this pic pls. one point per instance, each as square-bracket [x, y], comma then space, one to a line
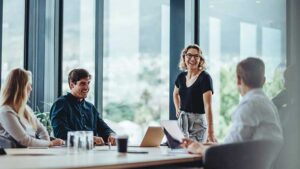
[252, 71]
[77, 74]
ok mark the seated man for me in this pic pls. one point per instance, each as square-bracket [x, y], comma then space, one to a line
[256, 117]
[72, 112]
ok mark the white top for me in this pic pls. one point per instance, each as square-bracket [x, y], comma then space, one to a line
[12, 126]
[255, 118]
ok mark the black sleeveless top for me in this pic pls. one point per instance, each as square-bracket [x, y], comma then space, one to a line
[191, 98]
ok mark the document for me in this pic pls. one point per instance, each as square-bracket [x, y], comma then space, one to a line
[173, 129]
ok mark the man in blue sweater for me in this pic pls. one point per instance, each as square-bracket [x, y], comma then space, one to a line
[72, 112]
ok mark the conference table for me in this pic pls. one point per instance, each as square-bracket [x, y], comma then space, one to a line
[99, 157]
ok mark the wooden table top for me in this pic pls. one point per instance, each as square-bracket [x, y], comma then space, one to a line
[99, 157]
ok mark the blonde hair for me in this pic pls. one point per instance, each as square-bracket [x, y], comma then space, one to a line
[14, 94]
[182, 65]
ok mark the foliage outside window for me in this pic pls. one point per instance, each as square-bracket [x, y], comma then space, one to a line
[229, 32]
[44, 118]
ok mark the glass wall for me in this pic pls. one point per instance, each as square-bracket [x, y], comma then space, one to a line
[79, 40]
[136, 65]
[13, 36]
[50, 92]
[231, 31]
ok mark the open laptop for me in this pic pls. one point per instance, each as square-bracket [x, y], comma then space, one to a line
[152, 137]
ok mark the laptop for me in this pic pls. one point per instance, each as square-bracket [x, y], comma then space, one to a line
[152, 137]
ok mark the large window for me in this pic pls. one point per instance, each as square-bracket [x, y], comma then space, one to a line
[136, 65]
[233, 30]
[79, 40]
[136, 52]
[50, 92]
[13, 36]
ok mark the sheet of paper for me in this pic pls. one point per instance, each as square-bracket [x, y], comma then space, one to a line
[27, 151]
[173, 129]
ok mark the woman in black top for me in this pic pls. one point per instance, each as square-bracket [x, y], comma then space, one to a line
[193, 96]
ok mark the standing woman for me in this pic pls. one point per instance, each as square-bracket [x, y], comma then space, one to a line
[192, 96]
[17, 121]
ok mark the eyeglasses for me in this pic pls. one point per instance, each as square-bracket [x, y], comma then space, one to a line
[189, 56]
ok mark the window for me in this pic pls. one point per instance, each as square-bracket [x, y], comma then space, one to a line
[79, 40]
[136, 65]
[231, 31]
[13, 36]
[50, 92]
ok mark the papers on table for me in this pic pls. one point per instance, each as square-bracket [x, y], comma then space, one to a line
[173, 129]
[34, 152]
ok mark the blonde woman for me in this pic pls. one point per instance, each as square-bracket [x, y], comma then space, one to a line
[192, 96]
[17, 122]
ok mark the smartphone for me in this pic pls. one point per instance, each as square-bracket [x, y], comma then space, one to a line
[137, 152]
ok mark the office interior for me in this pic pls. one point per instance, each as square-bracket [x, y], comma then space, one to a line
[132, 50]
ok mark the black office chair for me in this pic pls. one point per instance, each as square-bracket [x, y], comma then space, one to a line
[245, 155]
[9, 143]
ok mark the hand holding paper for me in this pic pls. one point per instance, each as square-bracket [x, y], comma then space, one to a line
[173, 129]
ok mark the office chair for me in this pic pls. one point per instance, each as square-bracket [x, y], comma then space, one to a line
[9, 143]
[258, 154]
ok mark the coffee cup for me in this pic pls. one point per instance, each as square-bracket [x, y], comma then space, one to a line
[122, 142]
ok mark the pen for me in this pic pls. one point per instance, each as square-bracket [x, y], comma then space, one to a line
[109, 145]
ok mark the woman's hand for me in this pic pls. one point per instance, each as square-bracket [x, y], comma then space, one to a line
[192, 146]
[186, 142]
[196, 148]
[211, 138]
[178, 112]
[57, 142]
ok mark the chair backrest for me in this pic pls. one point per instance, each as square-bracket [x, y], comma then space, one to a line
[9, 143]
[258, 154]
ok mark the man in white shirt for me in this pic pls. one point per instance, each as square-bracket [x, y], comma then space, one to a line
[256, 117]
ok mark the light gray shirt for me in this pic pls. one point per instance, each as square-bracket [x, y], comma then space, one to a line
[255, 118]
[12, 126]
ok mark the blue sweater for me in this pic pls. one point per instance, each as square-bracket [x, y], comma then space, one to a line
[70, 114]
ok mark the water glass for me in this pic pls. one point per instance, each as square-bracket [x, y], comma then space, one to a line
[70, 139]
[89, 136]
[82, 141]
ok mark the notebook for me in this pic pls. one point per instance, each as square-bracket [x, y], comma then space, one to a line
[152, 137]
